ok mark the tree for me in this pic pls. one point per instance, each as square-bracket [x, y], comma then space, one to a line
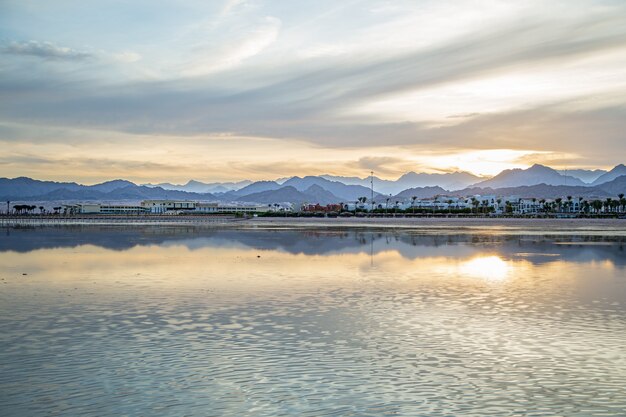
[569, 203]
[584, 207]
[597, 205]
[558, 202]
[475, 204]
[413, 203]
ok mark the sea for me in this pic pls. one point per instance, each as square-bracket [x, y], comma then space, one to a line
[200, 321]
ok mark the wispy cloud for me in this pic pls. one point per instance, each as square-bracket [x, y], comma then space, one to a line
[45, 50]
[472, 75]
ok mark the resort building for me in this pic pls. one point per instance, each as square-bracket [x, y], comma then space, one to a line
[318, 208]
[168, 206]
[104, 209]
[216, 208]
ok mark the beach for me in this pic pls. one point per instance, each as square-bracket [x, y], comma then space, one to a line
[451, 224]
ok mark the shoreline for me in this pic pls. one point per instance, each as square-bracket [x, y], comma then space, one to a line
[614, 227]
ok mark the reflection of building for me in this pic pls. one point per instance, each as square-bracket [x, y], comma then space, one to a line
[216, 208]
[104, 209]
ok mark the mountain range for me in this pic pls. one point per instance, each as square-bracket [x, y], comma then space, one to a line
[537, 181]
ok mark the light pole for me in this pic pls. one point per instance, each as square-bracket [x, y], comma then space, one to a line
[372, 189]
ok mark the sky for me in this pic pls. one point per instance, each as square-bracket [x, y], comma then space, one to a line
[250, 89]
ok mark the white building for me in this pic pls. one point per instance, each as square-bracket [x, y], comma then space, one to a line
[216, 208]
[104, 209]
[168, 206]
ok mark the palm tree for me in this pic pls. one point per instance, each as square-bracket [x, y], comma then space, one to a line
[475, 204]
[485, 205]
[622, 201]
[569, 203]
[413, 203]
[597, 205]
[386, 206]
[8, 203]
[558, 202]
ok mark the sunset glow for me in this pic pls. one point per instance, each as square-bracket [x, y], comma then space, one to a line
[262, 90]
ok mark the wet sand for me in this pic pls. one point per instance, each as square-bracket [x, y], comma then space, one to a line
[614, 227]
[441, 225]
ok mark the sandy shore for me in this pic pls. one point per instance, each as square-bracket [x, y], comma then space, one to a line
[614, 227]
[611, 226]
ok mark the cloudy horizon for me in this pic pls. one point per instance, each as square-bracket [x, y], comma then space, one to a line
[237, 89]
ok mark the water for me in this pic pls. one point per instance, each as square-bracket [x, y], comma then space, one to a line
[186, 321]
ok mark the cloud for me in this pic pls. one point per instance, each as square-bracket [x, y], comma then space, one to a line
[385, 165]
[127, 57]
[250, 75]
[45, 50]
[213, 58]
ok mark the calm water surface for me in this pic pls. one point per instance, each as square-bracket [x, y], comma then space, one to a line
[109, 322]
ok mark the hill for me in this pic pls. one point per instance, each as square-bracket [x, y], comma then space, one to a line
[615, 173]
[536, 174]
[342, 191]
[312, 195]
[448, 181]
[420, 192]
[585, 175]
[27, 189]
[615, 187]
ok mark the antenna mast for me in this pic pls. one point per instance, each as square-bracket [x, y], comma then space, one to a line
[372, 189]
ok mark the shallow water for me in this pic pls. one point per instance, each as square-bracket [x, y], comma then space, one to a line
[185, 321]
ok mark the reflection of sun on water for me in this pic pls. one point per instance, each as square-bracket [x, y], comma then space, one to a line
[489, 268]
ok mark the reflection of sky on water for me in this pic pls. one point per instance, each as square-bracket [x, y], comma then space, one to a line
[536, 249]
[267, 323]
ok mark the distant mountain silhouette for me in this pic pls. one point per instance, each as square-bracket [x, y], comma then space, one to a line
[421, 192]
[616, 172]
[26, 189]
[448, 181]
[255, 187]
[194, 186]
[346, 193]
[108, 186]
[538, 181]
[536, 174]
[585, 175]
[312, 195]
[615, 187]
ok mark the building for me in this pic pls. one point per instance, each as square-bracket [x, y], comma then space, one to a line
[168, 206]
[104, 209]
[318, 208]
[217, 208]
